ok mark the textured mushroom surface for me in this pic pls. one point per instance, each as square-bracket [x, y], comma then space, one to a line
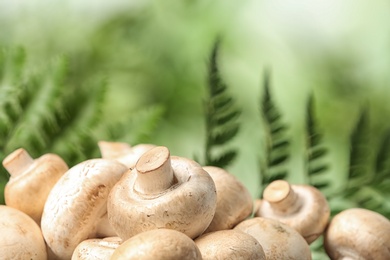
[162, 244]
[358, 234]
[31, 181]
[229, 244]
[234, 202]
[278, 240]
[20, 236]
[96, 248]
[162, 191]
[77, 205]
[302, 207]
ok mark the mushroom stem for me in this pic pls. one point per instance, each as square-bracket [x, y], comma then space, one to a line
[282, 197]
[111, 150]
[154, 171]
[17, 162]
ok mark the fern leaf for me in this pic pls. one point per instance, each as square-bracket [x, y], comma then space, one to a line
[278, 143]
[221, 118]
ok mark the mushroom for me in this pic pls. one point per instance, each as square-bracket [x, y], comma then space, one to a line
[229, 244]
[96, 248]
[123, 152]
[278, 240]
[21, 237]
[302, 207]
[31, 181]
[76, 208]
[162, 244]
[162, 191]
[358, 234]
[234, 202]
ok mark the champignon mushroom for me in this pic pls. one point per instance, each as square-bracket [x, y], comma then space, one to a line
[278, 240]
[234, 202]
[229, 244]
[162, 191]
[162, 244]
[96, 248]
[31, 181]
[358, 234]
[123, 152]
[302, 207]
[77, 205]
[21, 237]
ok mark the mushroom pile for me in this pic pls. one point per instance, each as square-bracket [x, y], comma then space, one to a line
[142, 202]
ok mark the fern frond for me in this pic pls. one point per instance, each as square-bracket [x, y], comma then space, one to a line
[278, 143]
[221, 118]
[315, 150]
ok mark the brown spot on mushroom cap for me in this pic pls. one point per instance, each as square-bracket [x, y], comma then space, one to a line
[229, 244]
[234, 201]
[162, 244]
[187, 206]
[31, 181]
[278, 240]
[96, 248]
[358, 234]
[302, 207]
[77, 204]
[21, 237]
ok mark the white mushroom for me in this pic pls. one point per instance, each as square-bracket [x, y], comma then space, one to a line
[162, 191]
[20, 236]
[31, 181]
[96, 248]
[76, 208]
[162, 244]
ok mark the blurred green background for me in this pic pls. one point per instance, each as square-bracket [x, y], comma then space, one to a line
[155, 53]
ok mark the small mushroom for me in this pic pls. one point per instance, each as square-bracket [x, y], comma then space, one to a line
[162, 244]
[31, 181]
[358, 234]
[123, 152]
[302, 207]
[96, 248]
[20, 236]
[278, 240]
[229, 244]
[162, 191]
[76, 208]
[234, 202]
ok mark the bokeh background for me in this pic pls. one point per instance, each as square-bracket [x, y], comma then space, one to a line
[154, 54]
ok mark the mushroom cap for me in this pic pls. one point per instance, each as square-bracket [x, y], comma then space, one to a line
[188, 205]
[162, 244]
[278, 240]
[229, 244]
[123, 152]
[358, 234]
[77, 204]
[96, 248]
[234, 201]
[21, 237]
[28, 189]
[308, 213]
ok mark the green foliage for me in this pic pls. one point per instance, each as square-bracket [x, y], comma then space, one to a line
[221, 117]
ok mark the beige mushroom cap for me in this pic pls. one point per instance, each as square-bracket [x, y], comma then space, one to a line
[229, 244]
[358, 234]
[234, 201]
[20, 236]
[278, 240]
[77, 205]
[96, 248]
[31, 181]
[302, 207]
[162, 191]
[162, 244]
[123, 152]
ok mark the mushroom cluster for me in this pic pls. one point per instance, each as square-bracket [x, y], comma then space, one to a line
[142, 202]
